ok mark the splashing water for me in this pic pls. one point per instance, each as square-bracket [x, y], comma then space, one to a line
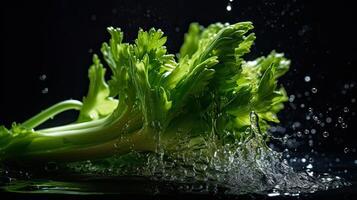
[252, 168]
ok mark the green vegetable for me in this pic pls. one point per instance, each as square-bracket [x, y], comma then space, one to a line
[155, 101]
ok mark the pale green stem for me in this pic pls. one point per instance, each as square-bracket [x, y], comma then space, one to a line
[76, 126]
[52, 111]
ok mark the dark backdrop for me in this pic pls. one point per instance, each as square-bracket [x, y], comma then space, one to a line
[57, 39]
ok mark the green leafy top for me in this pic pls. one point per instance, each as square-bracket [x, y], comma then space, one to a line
[208, 93]
[97, 104]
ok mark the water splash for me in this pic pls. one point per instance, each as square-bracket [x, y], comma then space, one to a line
[251, 168]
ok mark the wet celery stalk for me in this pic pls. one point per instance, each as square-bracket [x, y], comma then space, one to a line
[158, 101]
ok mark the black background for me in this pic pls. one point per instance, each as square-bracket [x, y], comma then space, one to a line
[57, 38]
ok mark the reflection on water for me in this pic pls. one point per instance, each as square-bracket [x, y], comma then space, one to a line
[91, 184]
[254, 169]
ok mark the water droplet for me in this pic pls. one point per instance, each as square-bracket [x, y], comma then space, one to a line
[340, 119]
[306, 131]
[355, 162]
[310, 110]
[44, 90]
[273, 194]
[313, 131]
[247, 131]
[311, 143]
[291, 98]
[325, 134]
[346, 150]
[302, 105]
[309, 166]
[353, 100]
[345, 109]
[328, 120]
[229, 7]
[299, 134]
[315, 118]
[296, 125]
[43, 77]
[314, 90]
[285, 139]
[303, 160]
[309, 172]
[344, 125]
[307, 78]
